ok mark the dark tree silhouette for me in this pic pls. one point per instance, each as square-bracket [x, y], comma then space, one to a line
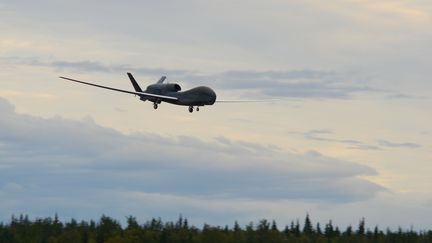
[108, 230]
[307, 228]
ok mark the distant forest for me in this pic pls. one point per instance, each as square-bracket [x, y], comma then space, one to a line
[108, 230]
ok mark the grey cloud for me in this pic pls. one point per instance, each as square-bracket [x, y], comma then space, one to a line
[289, 84]
[398, 145]
[365, 147]
[83, 66]
[322, 135]
[94, 66]
[59, 155]
[405, 96]
[91, 66]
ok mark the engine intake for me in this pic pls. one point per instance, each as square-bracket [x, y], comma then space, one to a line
[172, 87]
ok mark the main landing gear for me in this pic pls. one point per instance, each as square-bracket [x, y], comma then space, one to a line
[191, 109]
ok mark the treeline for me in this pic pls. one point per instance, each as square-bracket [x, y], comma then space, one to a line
[109, 230]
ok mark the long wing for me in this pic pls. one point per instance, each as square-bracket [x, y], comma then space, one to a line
[124, 91]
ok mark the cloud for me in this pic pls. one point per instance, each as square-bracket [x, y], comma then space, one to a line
[34, 95]
[398, 145]
[365, 147]
[322, 136]
[395, 9]
[58, 161]
[289, 84]
[89, 66]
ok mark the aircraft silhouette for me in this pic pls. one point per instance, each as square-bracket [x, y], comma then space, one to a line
[165, 92]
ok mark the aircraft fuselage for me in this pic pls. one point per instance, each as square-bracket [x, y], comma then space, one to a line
[198, 96]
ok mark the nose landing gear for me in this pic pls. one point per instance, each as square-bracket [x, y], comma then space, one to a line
[155, 106]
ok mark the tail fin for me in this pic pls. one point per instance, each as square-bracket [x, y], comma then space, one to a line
[134, 83]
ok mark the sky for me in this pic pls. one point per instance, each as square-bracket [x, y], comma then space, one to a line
[346, 133]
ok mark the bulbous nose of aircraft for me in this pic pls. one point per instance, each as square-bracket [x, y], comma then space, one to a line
[212, 97]
[207, 95]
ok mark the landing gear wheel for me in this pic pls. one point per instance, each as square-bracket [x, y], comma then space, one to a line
[155, 106]
[197, 109]
[191, 109]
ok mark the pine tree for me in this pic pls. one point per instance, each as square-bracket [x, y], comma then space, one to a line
[348, 231]
[292, 226]
[361, 227]
[318, 229]
[274, 226]
[376, 232]
[307, 228]
[179, 223]
[297, 228]
[131, 223]
[337, 232]
[236, 226]
[263, 226]
[185, 224]
[328, 231]
[286, 230]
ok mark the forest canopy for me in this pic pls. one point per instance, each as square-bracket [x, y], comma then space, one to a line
[108, 230]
